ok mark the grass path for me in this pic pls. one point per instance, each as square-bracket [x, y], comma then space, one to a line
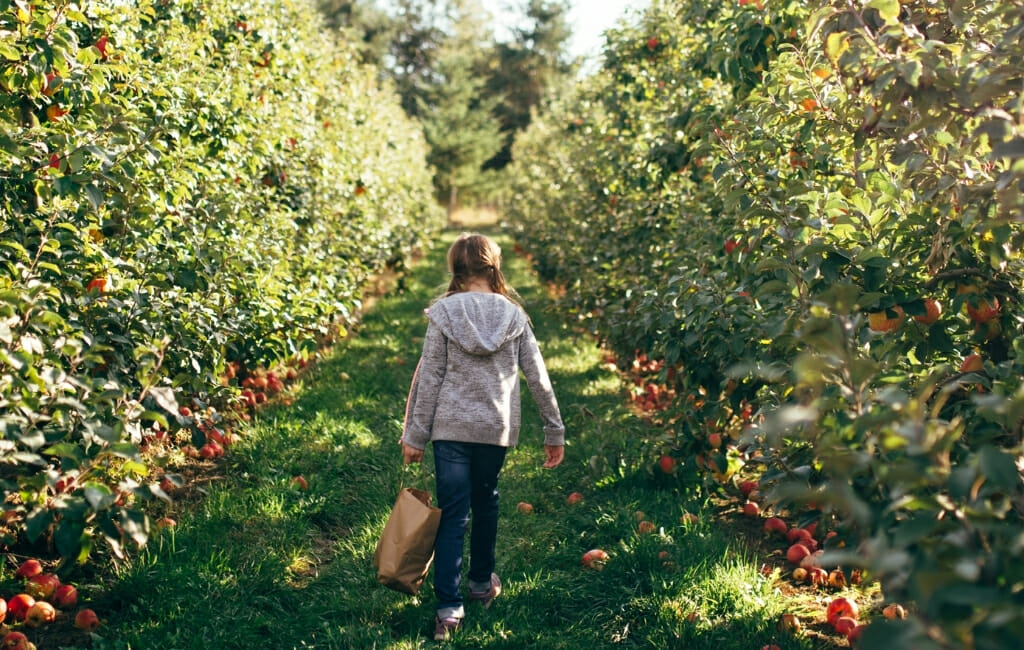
[257, 563]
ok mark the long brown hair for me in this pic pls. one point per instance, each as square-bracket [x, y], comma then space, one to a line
[477, 256]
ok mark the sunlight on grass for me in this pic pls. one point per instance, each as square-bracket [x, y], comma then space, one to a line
[257, 546]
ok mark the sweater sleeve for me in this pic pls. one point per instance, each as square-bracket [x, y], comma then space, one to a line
[426, 386]
[537, 380]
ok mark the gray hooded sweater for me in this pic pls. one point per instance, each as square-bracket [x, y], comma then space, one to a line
[466, 386]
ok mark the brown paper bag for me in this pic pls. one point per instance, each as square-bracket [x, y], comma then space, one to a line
[406, 547]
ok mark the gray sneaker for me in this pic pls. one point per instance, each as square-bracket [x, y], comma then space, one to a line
[486, 597]
[444, 628]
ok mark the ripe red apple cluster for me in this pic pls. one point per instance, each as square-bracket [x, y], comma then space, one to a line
[39, 604]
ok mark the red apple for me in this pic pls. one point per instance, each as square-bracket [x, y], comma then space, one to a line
[730, 245]
[844, 624]
[715, 440]
[751, 509]
[932, 309]
[667, 464]
[840, 607]
[19, 605]
[299, 482]
[3, 610]
[40, 613]
[797, 552]
[101, 45]
[881, 321]
[524, 507]
[87, 620]
[15, 641]
[982, 311]
[594, 559]
[42, 585]
[28, 569]
[574, 498]
[688, 518]
[972, 363]
[894, 611]
[747, 487]
[853, 636]
[775, 526]
[65, 596]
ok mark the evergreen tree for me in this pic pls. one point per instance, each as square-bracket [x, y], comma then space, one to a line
[532, 64]
[458, 118]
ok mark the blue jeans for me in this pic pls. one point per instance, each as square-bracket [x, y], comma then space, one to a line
[467, 479]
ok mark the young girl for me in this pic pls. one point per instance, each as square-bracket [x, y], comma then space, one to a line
[465, 400]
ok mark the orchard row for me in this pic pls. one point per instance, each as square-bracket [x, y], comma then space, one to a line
[194, 195]
[798, 224]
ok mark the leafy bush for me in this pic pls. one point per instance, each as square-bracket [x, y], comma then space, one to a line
[188, 187]
[768, 200]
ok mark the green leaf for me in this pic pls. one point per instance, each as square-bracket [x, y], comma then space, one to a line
[1013, 149]
[999, 468]
[69, 537]
[9, 52]
[37, 522]
[889, 10]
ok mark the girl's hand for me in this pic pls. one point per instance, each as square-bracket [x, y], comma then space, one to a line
[411, 454]
[554, 455]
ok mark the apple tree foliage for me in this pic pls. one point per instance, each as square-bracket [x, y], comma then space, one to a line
[184, 185]
[733, 194]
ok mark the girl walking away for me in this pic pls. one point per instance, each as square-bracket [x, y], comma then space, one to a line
[465, 400]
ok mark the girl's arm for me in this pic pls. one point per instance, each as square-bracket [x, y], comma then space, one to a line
[426, 386]
[537, 380]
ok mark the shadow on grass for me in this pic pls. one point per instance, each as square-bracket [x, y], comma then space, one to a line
[260, 563]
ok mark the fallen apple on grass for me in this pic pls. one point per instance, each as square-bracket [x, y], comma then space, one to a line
[42, 586]
[840, 607]
[87, 620]
[574, 498]
[844, 624]
[16, 641]
[65, 596]
[796, 553]
[19, 605]
[40, 614]
[775, 526]
[524, 507]
[28, 569]
[594, 559]
[894, 611]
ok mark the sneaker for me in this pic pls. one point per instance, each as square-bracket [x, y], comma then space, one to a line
[485, 598]
[444, 628]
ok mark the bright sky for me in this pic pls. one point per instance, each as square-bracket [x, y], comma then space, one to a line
[588, 19]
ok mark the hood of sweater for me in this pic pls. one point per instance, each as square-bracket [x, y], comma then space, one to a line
[479, 323]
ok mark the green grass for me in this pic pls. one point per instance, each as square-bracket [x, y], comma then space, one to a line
[256, 563]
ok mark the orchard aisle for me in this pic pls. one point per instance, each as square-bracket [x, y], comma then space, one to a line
[257, 561]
